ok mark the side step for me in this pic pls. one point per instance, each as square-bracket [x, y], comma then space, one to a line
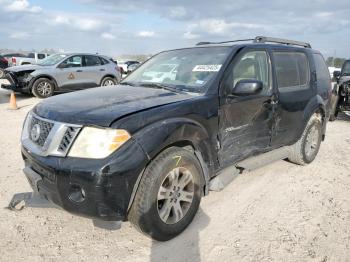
[264, 159]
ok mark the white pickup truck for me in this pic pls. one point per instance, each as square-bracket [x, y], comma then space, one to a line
[31, 58]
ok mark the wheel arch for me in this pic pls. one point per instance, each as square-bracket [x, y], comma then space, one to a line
[317, 105]
[108, 75]
[44, 76]
[186, 141]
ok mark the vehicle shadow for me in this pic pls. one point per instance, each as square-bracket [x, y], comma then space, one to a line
[184, 247]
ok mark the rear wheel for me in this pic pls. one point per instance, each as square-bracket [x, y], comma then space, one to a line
[169, 194]
[43, 88]
[108, 81]
[306, 148]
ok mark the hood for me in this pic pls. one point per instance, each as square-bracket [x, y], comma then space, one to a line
[20, 68]
[101, 106]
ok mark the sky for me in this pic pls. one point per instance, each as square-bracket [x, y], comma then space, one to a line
[116, 27]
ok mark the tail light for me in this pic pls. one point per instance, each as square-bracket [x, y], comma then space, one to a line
[14, 61]
[3, 59]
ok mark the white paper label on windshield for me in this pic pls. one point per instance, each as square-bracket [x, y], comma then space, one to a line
[206, 68]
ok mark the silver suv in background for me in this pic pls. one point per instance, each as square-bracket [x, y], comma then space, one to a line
[61, 73]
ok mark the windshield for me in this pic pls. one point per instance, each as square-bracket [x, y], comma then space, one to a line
[186, 69]
[52, 60]
[346, 69]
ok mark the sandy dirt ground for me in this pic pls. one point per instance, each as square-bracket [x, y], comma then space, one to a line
[281, 212]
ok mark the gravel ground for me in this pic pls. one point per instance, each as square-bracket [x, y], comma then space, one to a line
[281, 212]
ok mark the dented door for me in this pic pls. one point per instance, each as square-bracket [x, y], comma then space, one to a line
[245, 122]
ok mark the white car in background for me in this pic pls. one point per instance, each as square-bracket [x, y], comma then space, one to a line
[158, 73]
[124, 65]
[30, 59]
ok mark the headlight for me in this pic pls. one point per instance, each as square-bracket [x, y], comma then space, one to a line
[98, 142]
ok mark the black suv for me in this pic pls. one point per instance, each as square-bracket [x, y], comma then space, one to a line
[342, 98]
[148, 150]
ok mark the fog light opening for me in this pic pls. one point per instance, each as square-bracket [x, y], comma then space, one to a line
[76, 194]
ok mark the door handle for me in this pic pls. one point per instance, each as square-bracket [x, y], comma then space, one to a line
[79, 70]
[102, 69]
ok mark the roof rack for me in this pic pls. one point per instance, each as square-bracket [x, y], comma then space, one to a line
[261, 39]
[224, 42]
[265, 39]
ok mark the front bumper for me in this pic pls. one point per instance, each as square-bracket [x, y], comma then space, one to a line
[107, 184]
[16, 84]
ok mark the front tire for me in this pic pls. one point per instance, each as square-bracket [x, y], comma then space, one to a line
[304, 151]
[43, 88]
[169, 194]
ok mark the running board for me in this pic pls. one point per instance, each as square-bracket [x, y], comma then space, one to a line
[224, 178]
[264, 159]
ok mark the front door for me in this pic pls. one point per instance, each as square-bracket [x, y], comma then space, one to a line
[70, 74]
[245, 122]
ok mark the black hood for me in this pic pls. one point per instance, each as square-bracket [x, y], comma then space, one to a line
[103, 105]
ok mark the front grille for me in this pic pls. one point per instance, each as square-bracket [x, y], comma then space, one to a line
[68, 138]
[45, 128]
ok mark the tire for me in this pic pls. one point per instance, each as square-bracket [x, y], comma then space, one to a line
[43, 88]
[109, 81]
[306, 148]
[2, 73]
[148, 211]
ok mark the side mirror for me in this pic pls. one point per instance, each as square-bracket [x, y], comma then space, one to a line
[62, 65]
[247, 87]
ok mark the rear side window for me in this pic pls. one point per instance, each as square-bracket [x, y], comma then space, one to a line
[321, 67]
[292, 69]
[103, 61]
[41, 56]
[31, 55]
[91, 60]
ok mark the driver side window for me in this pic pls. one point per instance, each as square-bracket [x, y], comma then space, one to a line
[252, 65]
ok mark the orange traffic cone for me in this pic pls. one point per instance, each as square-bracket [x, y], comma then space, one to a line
[13, 103]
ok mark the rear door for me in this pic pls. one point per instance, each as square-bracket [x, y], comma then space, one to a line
[295, 89]
[245, 122]
[94, 70]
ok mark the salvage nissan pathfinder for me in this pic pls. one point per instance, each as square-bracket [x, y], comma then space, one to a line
[183, 123]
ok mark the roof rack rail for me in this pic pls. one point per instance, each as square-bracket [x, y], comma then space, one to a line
[224, 42]
[265, 39]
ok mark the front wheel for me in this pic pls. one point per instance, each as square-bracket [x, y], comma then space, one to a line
[304, 151]
[169, 194]
[43, 88]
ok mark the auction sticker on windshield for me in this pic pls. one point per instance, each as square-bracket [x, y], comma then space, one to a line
[206, 68]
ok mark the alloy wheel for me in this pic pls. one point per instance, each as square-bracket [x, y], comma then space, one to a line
[175, 195]
[44, 88]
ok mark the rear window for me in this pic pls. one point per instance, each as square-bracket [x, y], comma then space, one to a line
[31, 55]
[321, 67]
[292, 69]
[346, 68]
[41, 56]
[91, 60]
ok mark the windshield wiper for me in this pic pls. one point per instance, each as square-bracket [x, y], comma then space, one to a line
[161, 86]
